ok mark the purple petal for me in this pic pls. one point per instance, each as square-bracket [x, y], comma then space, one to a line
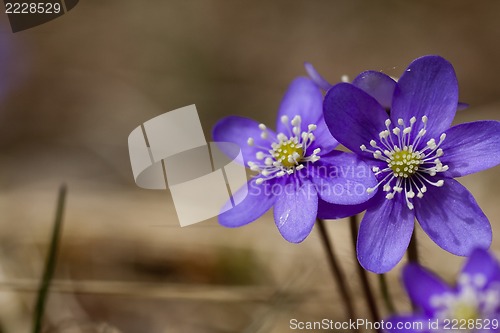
[412, 322]
[329, 211]
[260, 199]
[323, 138]
[237, 130]
[316, 77]
[295, 211]
[481, 262]
[471, 147]
[422, 285]
[452, 218]
[303, 98]
[342, 178]
[378, 85]
[384, 234]
[427, 88]
[353, 117]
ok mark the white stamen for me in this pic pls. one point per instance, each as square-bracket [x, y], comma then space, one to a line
[296, 121]
[384, 134]
[479, 280]
[282, 137]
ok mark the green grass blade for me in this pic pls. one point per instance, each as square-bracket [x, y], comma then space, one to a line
[50, 263]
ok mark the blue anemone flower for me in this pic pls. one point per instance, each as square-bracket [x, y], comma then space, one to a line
[473, 305]
[298, 170]
[415, 155]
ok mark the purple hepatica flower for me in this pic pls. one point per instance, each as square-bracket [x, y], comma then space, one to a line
[415, 155]
[473, 305]
[299, 172]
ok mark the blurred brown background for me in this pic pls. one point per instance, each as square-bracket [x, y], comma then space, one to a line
[74, 88]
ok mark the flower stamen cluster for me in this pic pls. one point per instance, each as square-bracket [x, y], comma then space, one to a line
[472, 302]
[288, 154]
[410, 165]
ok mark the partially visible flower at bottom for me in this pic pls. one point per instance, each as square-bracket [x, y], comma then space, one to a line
[472, 305]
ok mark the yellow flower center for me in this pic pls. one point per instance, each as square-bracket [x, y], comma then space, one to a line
[465, 312]
[288, 152]
[405, 163]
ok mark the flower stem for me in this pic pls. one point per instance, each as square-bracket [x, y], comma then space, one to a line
[412, 254]
[50, 263]
[337, 271]
[386, 295]
[413, 249]
[363, 275]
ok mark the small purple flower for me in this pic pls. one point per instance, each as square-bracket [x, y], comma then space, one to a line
[415, 155]
[298, 170]
[473, 305]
